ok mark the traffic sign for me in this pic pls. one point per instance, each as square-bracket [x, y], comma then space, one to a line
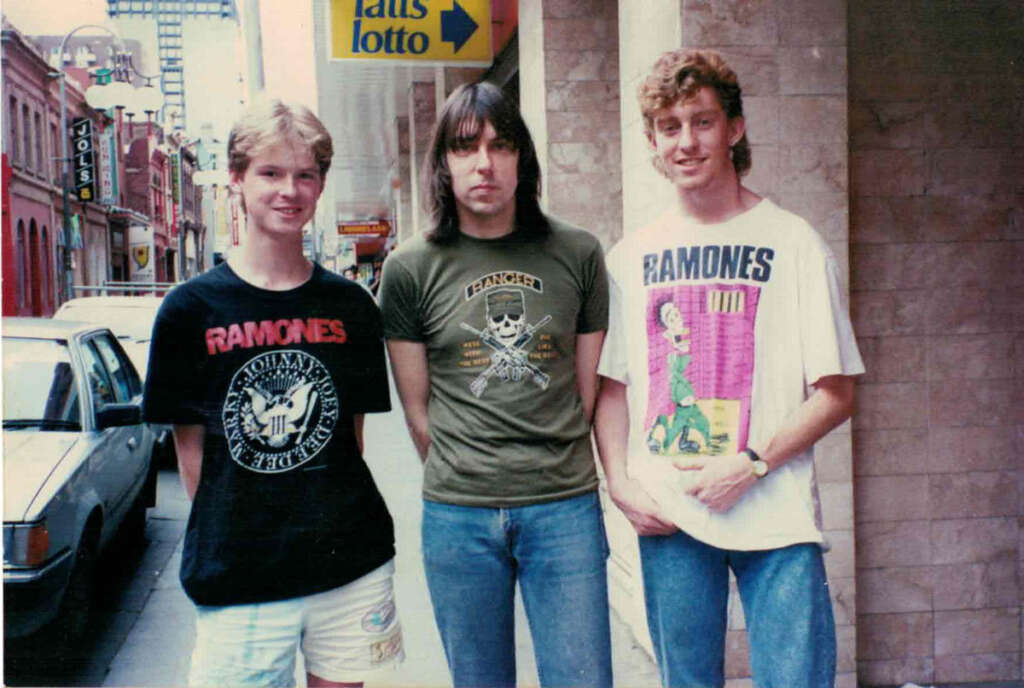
[431, 31]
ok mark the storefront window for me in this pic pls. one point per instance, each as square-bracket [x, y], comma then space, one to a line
[12, 119]
[26, 136]
[54, 162]
[40, 160]
[47, 269]
[22, 255]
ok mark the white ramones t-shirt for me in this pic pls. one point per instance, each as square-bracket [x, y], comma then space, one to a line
[718, 331]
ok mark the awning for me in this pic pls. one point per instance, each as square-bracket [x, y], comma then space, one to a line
[116, 212]
[369, 247]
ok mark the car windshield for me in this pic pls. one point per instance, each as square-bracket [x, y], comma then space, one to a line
[124, 321]
[39, 386]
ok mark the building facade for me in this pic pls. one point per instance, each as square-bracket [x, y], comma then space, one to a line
[32, 146]
[134, 187]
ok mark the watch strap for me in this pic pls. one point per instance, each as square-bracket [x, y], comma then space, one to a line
[757, 465]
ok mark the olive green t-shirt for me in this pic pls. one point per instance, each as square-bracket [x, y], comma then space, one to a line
[499, 318]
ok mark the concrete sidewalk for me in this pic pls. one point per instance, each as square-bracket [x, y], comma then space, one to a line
[157, 650]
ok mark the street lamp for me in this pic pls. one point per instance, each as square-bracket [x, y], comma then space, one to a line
[121, 93]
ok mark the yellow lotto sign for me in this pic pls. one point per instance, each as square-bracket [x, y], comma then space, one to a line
[412, 30]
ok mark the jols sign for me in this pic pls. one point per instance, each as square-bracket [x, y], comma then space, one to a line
[84, 159]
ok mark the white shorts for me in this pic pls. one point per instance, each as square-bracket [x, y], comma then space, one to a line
[347, 634]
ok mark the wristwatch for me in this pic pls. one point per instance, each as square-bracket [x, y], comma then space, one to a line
[757, 466]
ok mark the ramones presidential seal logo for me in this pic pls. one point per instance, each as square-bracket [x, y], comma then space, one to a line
[280, 411]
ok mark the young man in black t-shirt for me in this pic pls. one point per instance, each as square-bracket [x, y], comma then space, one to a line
[265, 365]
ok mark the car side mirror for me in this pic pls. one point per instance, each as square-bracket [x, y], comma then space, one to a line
[118, 415]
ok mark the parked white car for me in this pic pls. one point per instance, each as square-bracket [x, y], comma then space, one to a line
[77, 467]
[130, 318]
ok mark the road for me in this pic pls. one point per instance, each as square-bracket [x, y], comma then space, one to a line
[142, 634]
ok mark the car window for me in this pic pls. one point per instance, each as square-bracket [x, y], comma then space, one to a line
[100, 386]
[39, 386]
[126, 381]
[124, 320]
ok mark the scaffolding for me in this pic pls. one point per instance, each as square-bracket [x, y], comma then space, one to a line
[170, 18]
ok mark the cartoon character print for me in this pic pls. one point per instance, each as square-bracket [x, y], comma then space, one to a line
[700, 365]
[672, 431]
[507, 334]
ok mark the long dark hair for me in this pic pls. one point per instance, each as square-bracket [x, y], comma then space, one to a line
[463, 117]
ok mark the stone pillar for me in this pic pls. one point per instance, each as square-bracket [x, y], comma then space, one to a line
[645, 31]
[790, 56]
[407, 193]
[422, 116]
[570, 98]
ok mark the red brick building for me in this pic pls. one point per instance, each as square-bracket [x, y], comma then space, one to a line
[133, 188]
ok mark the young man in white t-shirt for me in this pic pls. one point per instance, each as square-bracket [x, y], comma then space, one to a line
[729, 354]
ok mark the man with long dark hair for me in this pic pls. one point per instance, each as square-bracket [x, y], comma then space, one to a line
[494, 321]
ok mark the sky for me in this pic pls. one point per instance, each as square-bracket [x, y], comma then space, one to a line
[287, 42]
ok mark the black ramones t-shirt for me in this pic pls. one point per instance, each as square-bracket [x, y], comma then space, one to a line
[285, 505]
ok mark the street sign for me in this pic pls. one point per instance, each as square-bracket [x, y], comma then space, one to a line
[84, 159]
[380, 228]
[109, 193]
[432, 31]
[175, 164]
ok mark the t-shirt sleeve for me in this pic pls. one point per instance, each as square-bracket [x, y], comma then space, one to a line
[825, 330]
[368, 387]
[614, 361]
[173, 388]
[593, 315]
[399, 303]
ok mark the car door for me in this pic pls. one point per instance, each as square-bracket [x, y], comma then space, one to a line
[118, 453]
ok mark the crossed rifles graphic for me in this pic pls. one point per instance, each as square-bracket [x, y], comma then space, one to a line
[508, 356]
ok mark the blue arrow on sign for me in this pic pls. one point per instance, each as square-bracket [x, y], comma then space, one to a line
[457, 26]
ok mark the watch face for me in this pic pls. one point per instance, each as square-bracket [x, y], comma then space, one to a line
[760, 468]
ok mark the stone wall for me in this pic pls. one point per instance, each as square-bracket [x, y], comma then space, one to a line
[579, 102]
[937, 229]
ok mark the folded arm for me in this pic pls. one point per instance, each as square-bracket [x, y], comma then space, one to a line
[722, 481]
[412, 378]
[588, 353]
[188, 445]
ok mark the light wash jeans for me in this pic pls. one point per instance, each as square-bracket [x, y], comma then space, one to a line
[786, 604]
[557, 551]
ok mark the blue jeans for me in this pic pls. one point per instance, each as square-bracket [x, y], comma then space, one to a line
[785, 602]
[557, 551]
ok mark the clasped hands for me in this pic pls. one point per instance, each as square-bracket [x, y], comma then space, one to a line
[720, 482]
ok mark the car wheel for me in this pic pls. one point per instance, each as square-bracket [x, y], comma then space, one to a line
[77, 605]
[165, 456]
[133, 528]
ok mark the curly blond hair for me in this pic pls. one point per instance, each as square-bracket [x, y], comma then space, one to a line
[678, 75]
